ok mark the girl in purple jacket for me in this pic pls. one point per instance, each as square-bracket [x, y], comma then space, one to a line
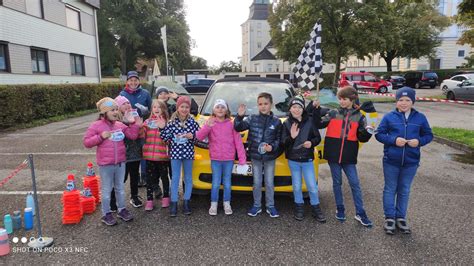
[107, 133]
[224, 141]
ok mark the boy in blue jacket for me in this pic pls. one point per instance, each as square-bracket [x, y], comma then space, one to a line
[402, 131]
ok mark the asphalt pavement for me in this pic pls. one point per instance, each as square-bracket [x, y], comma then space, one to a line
[440, 214]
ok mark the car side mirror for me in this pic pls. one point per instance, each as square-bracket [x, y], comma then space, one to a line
[459, 85]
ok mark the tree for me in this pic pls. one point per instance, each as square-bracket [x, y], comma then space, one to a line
[465, 18]
[229, 66]
[198, 63]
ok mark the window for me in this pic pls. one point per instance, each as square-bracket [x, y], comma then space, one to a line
[357, 78]
[461, 53]
[408, 62]
[4, 60]
[369, 78]
[73, 18]
[77, 64]
[259, 45]
[35, 8]
[39, 61]
[269, 68]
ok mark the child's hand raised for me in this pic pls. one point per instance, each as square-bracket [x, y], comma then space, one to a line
[294, 130]
[316, 104]
[400, 142]
[210, 122]
[160, 122]
[138, 121]
[173, 95]
[242, 109]
[106, 134]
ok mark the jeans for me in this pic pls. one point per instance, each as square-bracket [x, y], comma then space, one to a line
[396, 190]
[111, 177]
[131, 168]
[155, 171]
[306, 170]
[143, 170]
[176, 176]
[269, 174]
[351, 172]
[221, 171]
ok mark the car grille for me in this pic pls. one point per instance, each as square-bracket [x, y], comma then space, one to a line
[247, 181]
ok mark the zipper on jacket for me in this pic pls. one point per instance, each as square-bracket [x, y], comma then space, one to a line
[405, 136]
[343, 137]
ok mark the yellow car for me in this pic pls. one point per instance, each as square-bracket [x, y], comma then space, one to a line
[245, 90]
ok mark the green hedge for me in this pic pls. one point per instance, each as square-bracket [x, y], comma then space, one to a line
[26, 103]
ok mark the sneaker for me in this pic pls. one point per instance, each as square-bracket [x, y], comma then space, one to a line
[340, 215]
[272, 211]
[125, 215]
[317, 213]
[299, 212]
[149, 205]
[389, 226]
[186, 207]
[109, 219]
[254, 211]
[227, 208]
[403, 226]
[136, 202]
[363, 220]
[165, 202]
[213, 209]
[173, 209]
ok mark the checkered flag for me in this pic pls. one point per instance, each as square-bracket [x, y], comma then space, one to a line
[310, 61]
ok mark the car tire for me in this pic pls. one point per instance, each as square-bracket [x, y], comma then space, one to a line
[383, 89]
[444, 89]
[417, 85]
[433, 86]
[451, 96]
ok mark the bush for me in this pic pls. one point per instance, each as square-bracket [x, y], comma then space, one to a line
[25, 103]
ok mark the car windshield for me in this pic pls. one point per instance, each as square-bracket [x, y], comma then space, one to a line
[431, 75]
[246, 92]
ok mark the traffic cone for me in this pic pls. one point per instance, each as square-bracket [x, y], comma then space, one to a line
[92, 182]
[88, 201]
[72, 208]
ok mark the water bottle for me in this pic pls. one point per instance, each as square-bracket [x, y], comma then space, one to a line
[30, 202]
[90, 170]
[28, 215]
[7, 222]
[16, 220]
[4, 242]
[70, 183]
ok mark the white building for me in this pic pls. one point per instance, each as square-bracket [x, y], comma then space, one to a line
[449, 55]
[49, 41]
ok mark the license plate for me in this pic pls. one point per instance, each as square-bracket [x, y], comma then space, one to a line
[431, 80]
[245, 169]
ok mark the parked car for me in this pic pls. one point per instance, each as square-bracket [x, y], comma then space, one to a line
[419, 79]
[364, 80]
[198, 85]
[452, 82]
[397, 81]
[174, 87]
[462, 91]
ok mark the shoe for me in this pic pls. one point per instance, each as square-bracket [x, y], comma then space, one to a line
[299, 212]
[403, 226]
[165, 202]
[254, 211]
[389, 226]
[136, 202]
[227, 208]
[317, 213]
[149, 205]
[109, 219]
[363, 220]
[186, 207]
[173, 209]
[272, 211]
[340, 215]
[213, 209]
[158, 193]
[125, 215]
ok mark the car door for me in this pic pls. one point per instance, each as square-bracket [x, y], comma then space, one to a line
[370, 81]
[466, 90]
[409, 78]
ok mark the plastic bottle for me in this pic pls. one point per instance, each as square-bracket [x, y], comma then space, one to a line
[90, 170]
[4, 243]
[7, 222]
[28, 216]
[70, 183]
[30, 202]
[16, 220]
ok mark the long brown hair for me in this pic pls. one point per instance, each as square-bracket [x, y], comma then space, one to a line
[163, 108]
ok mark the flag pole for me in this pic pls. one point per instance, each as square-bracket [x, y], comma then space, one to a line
[317, 86]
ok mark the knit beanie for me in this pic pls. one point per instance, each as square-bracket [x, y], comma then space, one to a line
[121, 100]
[347, 92]
[161, 89]
[132, 74]
[220, 102]
[297, 100]
[183, 99]
[106, 104]
[406, 91]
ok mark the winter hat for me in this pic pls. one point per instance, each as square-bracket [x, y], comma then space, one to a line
[347, 92]
[298, 101]
[183, 99]
[161, 89]
[406, 91]
[220, 102]
[121, 100]
[106, 104]
[132, 74]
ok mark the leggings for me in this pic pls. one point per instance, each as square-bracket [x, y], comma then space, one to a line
[154, 171]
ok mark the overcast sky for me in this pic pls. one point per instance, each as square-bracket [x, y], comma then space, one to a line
[215, 27]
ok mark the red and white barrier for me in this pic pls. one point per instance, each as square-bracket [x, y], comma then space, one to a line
[417, 98]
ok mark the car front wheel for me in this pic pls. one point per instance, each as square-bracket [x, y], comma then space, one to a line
[383, 89]
[450, 96]
[444, 89]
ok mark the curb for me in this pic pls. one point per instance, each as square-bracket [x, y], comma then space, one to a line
[454, 144]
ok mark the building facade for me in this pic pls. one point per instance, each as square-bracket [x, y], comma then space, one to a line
[49, 41]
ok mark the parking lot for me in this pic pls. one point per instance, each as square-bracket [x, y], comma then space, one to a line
[440, 213]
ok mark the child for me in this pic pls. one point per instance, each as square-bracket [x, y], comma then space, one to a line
[180, 133]
[345, 129]
[133, 155]
[263, 142]
[107, 133]
[299, 137]
[156, 155]
[402, 131]
[224, 141]
[164, 94]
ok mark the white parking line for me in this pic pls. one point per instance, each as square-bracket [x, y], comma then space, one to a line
[25, 192]
[47, 153]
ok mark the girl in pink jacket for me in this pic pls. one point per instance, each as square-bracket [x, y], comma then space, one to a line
[224, 141]
[107, 133]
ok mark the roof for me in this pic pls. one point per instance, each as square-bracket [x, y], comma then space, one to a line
[265, 54]
[259, 11]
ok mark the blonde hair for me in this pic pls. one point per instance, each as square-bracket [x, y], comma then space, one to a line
[163, 108]
[182, 122]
